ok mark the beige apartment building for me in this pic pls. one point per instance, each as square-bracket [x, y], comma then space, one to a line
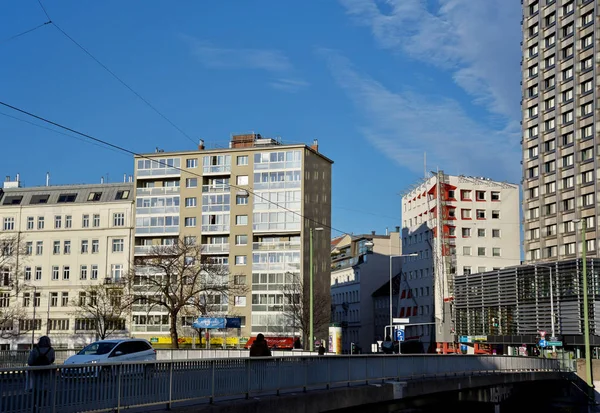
[70, 237]
[244, 205]
[453, 225]
[559, 140]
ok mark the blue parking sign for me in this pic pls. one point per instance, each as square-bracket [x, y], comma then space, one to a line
[543, 343]
[400, 334]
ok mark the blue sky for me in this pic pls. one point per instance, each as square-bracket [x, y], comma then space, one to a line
[377, 82]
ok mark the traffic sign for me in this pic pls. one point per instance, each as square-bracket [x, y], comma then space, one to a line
[400, 334]
[554, 343]
[543, 343]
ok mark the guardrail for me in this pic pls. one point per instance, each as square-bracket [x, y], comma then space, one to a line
[116, 386]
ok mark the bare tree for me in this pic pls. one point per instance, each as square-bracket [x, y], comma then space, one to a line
[105, 306]
[13, 255]
[296, 308]
[182, 281]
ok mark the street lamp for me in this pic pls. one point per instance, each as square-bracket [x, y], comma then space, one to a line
[33, 326]
[311, 272]
[586, 324]
[551, 303]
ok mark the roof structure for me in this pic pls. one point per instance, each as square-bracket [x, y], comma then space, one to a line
[66, 194]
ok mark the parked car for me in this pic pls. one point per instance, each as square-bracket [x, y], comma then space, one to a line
[111, 351]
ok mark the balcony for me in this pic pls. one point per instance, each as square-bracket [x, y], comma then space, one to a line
[215, 248]
[148, 173]
[151, 328]
[157, 210]
[277, 227]
[215, 228]
[150, 249]
[216, 169]
[156, 230]
[275, 246]
[276, 266]
[165, 190]
[215, 188]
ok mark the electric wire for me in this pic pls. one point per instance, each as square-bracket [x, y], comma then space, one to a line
[114, 75]
[130, 152]
[25, 32]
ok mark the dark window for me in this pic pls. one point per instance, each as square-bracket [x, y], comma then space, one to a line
[122, 195]
[12, 200]
[67, 198]
[94, 196]
[40, 199]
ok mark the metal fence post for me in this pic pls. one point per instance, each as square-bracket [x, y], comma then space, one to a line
[278, 364]
[247, 362]
[56, 372]
[212, 392]
[169, 403]
[348, 358]
[328, 360]
[305, 364]
[120, 373]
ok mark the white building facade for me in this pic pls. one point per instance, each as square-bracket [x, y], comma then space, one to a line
[454, 225]
[360, 264]
[70, 237]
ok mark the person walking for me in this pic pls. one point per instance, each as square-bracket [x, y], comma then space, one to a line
[42, 354]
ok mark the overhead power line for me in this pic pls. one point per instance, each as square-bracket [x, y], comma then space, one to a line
[130, 152]
[25, 32]
[113, 74]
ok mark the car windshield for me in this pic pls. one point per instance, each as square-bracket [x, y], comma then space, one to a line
[97, 349]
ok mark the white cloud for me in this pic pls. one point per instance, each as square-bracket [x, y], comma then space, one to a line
[274, 62]
[477, 40]
[289, 85]
[404, 125]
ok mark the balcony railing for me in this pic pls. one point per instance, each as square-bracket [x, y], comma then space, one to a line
[157, 230]
[150, 249]
[165, 190]
[215, 228]
[275, 246]
[216, 188]
[142, 173]
[276, 226]
[216, 169]
[157, 210]
[215, 248]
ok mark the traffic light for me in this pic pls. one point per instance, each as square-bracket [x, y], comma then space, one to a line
[352, 348]
[495, 322]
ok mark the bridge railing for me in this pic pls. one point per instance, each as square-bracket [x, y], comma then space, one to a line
[18, 358]
[109, 387]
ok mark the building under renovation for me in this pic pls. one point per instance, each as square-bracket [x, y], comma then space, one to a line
[503, 310]
[452, 225]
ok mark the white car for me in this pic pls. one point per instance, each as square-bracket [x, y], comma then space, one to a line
[113, 351]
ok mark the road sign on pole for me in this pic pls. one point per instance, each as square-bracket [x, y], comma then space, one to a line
[543, 343]
[554, 343]
[400, 320]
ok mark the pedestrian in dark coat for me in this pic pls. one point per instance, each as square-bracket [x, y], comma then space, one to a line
[260, 348]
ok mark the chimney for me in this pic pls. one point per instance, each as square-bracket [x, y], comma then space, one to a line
[47, 178]
[201, 145]
[386, 231]
[372, 232]
[315, 145]
[397, 229]
[18, 178]
[130, 178]
[101, 179]
[7, 179]
[124, 177]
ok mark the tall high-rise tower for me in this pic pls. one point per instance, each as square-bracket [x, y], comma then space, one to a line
[559, 115]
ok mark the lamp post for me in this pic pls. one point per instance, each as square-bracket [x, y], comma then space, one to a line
[586, 323]
[33, 326]
[551, 303]
[311, 288]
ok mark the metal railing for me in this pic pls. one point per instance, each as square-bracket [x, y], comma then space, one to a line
[164, 190]
[116, 386]
[18, 358]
